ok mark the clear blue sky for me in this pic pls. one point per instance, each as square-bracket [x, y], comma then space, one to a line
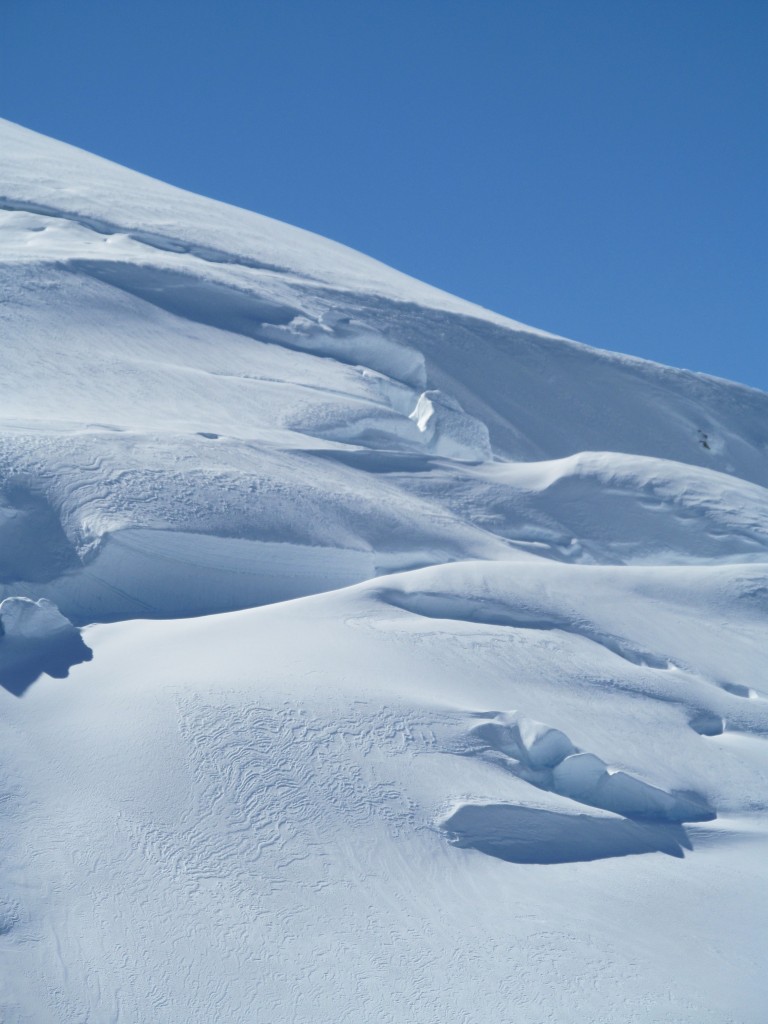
[594, 167]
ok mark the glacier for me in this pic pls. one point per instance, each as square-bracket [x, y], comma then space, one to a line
[365, 655]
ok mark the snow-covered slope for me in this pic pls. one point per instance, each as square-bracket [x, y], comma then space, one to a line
[509, 762]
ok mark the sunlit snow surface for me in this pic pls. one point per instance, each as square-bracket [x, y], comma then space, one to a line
[502, 751]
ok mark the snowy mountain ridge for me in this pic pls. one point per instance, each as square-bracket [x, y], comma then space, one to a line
[473, 723]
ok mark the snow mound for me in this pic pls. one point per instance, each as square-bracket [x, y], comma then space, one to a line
[557, 765]
[586, 778]
[22, 618]
[539, 745]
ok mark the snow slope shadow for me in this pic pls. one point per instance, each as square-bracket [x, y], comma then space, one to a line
[35, 638]
[33, 544]
[525, 835]
[22, 662]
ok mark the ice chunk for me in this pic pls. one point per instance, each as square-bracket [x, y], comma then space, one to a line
[23, 617]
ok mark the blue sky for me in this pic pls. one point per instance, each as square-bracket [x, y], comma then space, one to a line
[597, 168]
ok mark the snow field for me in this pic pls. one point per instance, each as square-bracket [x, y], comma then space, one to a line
[365, 655]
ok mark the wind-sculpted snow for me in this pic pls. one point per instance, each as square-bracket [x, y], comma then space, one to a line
[606, 508]
[229, 799]
[546, 758]
[150, 352]
[507, 762]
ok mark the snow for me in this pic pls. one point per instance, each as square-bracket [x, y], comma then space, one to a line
[20, 617]
[366, 655]
[36, 638]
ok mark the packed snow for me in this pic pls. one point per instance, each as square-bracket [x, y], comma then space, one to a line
[364, 655]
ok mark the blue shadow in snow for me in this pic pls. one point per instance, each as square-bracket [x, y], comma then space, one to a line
[525, 835]
[23, 660]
